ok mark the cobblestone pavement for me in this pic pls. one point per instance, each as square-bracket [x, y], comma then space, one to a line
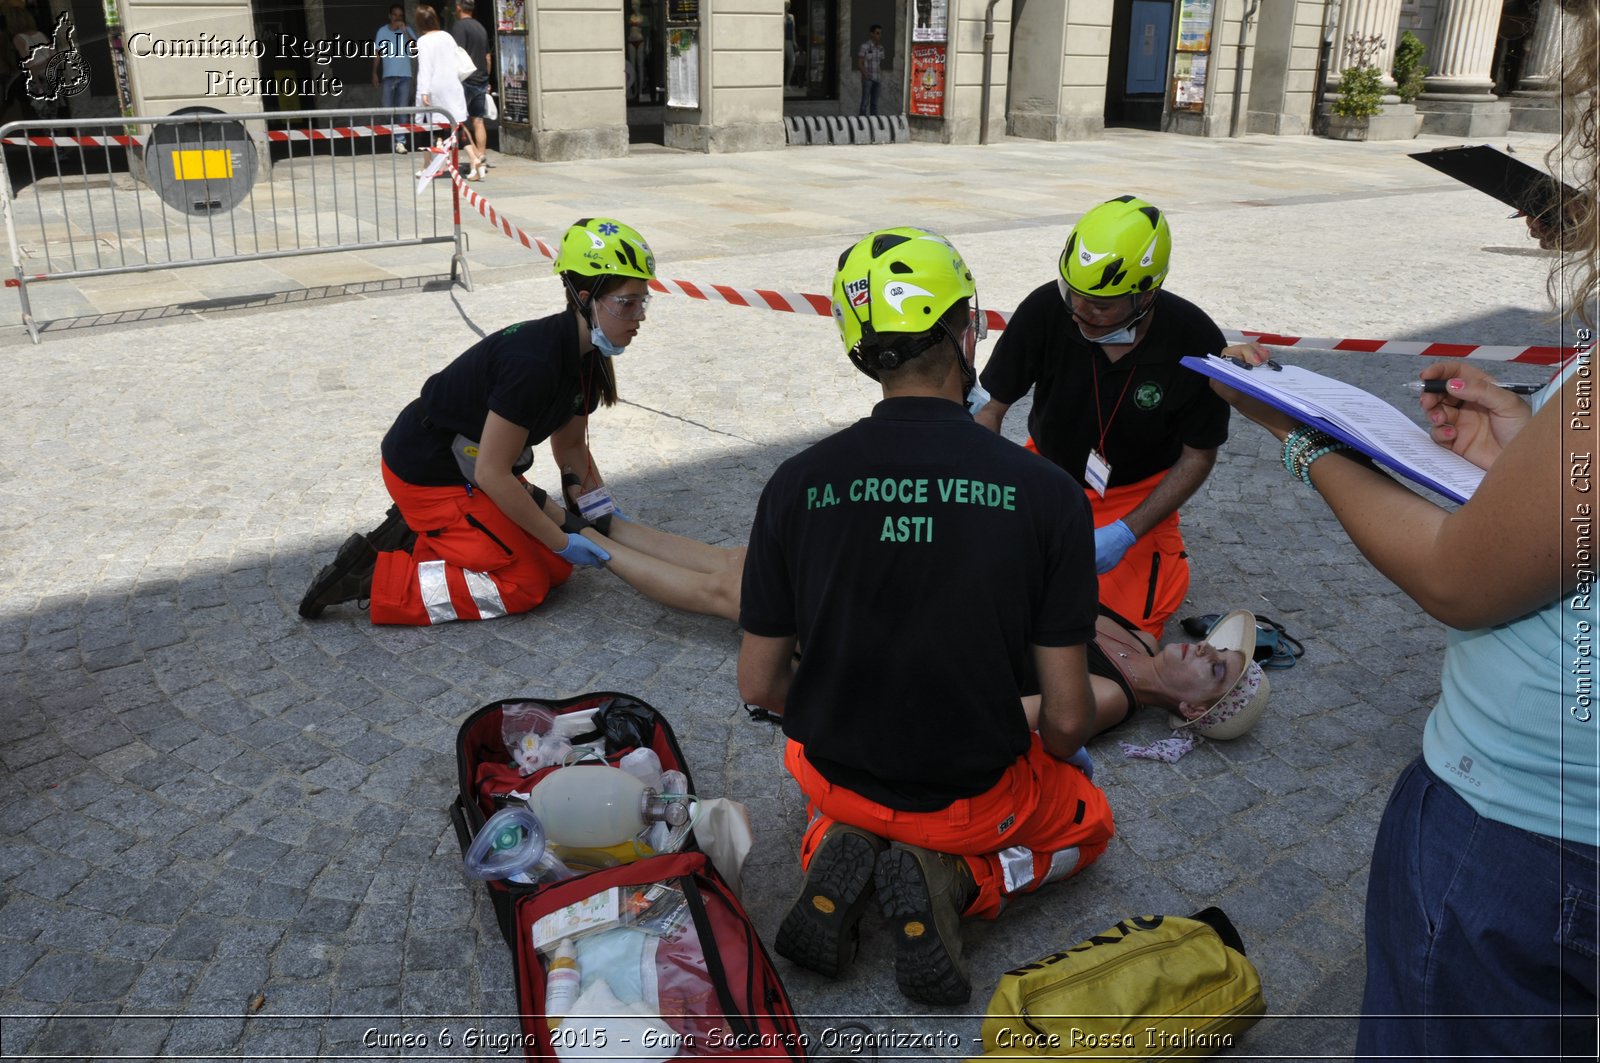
[223, 830]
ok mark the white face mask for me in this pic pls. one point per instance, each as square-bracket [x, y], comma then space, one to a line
[602, 342]
[977, 398]
[1120, 336]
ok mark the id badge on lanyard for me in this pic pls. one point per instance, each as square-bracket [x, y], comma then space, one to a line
[1098, 472]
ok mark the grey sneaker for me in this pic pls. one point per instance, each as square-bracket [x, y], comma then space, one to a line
[347, 579]
[922, 894]
[823, 926]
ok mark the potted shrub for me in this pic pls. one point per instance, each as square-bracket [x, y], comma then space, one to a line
[1408, 70]
[1360, 90]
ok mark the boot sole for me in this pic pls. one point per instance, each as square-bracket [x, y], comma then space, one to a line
[924, 966]
[822, 929]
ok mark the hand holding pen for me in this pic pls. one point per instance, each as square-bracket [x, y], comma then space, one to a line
[1471, 412]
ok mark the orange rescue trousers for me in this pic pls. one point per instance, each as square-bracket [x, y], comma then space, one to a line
[470, 561]
[1043, 821]
[1150, 582]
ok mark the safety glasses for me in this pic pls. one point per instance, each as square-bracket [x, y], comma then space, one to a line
[627, 307]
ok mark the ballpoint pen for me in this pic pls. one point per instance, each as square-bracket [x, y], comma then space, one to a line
[1437, 387]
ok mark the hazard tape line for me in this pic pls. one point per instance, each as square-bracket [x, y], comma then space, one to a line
[1533, 355]
[276, 135]
[805, 302]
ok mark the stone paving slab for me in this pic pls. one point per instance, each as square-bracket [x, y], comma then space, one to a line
[222, 829]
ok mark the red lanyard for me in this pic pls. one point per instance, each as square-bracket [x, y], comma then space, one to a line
[1105, 425]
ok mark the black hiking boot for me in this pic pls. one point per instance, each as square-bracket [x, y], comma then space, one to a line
[823, 926]
[922, 894]
[347, 579]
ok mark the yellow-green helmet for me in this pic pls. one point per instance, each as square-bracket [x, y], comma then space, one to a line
[892, 286]
[1120, 247]
[604, 247]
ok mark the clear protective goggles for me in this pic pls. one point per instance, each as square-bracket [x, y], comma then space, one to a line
[627, 307]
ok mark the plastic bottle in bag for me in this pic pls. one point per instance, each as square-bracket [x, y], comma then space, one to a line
[561, 981]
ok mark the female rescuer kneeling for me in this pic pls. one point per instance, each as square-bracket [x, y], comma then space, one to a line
[468, 538]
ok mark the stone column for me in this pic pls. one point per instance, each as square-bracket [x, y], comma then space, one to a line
[1458, 98]
[1363, 18]
[1535, 103]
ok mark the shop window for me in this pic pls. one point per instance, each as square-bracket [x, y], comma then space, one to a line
[813, 74]
[643, 48]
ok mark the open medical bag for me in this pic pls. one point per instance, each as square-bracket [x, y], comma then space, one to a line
[488, 776]
[669, 964]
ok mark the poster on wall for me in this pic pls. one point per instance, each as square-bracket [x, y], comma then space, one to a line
[927, 80]
[932, 21]
[1189, 82]
[509, 16]
[513, 69]
[1194, 26]
[683, 67]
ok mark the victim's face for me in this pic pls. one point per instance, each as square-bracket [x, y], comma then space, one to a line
[1198, 673]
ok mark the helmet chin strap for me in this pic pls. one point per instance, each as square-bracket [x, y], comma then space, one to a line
[585, 308]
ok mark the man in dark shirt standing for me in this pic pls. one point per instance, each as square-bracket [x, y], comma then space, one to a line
[923, 563]
[1099, 346]
[470, 34]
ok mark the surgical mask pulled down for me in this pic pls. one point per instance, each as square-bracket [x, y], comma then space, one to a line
[1114, 338]
[602, 342]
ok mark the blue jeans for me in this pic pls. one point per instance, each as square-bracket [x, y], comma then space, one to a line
[869, 96]
[1481, 937]
[397, 93]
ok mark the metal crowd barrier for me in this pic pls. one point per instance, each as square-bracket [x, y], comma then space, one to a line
[97, 197]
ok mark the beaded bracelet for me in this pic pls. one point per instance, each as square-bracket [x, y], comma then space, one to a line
[1304, 460]
[1297, 441]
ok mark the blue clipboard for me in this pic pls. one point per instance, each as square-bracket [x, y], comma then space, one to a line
[1261, 389]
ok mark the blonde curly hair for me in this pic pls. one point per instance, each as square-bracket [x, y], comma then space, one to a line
[1575, 278]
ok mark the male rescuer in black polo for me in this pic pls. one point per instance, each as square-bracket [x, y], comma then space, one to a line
[923, 562]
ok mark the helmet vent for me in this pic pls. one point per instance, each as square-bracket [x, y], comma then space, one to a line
[1152, 213]
[900, 267]
[886, 241]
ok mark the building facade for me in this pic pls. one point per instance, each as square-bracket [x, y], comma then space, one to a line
[589, 78]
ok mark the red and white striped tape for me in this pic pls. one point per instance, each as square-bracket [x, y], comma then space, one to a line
[806, 302]
[276, 135]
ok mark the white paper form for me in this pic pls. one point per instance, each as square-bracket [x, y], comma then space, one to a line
[1356, 417]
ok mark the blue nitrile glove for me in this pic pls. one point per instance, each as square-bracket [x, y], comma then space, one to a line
[1110, 543]
[581, 551]
[1083, 762]
[616, 511]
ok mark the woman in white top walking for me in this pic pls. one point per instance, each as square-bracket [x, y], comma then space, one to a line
[438, 88]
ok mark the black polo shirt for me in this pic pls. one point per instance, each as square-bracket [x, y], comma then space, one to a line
[917, 556]
[1151, 407]
[529, 373]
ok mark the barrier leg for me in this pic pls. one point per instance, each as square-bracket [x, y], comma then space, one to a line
[458, 257]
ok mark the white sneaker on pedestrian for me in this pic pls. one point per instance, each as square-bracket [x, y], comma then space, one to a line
[400, 147]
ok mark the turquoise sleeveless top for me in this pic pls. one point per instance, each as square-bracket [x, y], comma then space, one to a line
[1516, 731]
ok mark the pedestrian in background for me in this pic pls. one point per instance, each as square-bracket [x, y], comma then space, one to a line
[469, 33]
[869, 62]
[439, 91]
[393, 45]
